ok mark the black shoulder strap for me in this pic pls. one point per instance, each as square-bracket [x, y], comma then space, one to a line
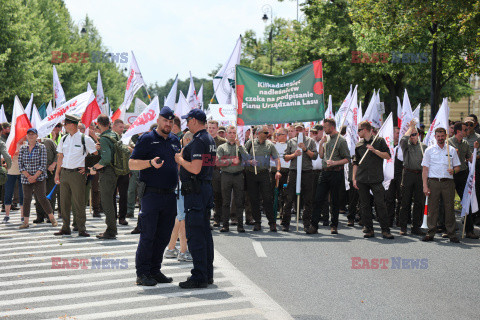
[83, 143]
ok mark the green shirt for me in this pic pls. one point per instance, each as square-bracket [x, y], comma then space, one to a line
[371, 169]
[292, 146]
[471, 140]
[51, 150]
[107, 149]
[263, 152]
[412, 155]
[463, 151]
[226, 152]
[341, 150]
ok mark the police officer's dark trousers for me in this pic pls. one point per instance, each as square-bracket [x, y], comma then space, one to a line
[156, 225]
[199, 235]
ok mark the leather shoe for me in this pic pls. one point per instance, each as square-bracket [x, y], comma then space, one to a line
[83, 234]
[62, 232]
[454, 240]
[427, 238]
[105, 236]
[334, 230]
[135, 231]
[97, 215]
[210, 281]
[403, 232]
[192, 284]
[75, 228]
[369, 234]
[161, 278]
[387, 235]
[38, 220]
[123, 222]
[350, 223]
[471, 235]
[312, 230]
[257, 227]
[240, 230]
[144, 280]
[225, 229]
[273, 228]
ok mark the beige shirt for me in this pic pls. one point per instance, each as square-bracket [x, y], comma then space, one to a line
[72, 149]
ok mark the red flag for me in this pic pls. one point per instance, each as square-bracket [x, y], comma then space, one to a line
[91, 113]
[119, 113]
[20, 125]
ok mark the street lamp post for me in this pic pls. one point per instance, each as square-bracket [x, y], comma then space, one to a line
[267, 9]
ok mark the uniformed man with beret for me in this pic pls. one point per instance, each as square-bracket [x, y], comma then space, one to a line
[154, 156]
[70, 174]
[196, 168]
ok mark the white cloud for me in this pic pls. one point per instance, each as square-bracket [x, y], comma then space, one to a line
[170, 37]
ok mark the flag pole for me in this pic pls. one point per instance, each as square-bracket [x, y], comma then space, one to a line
[148, 94]
[253, 148]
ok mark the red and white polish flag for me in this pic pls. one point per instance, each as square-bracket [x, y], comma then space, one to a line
[20, 125]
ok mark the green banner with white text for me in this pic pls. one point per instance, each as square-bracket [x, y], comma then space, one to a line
[294, 97]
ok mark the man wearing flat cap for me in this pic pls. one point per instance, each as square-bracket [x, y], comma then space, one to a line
[70, 174]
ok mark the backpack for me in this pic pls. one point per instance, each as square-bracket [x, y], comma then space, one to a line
[121, 156]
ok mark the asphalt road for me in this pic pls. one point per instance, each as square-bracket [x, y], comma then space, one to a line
[258, 275]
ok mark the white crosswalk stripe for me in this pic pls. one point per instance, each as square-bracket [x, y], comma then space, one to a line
[31, 288]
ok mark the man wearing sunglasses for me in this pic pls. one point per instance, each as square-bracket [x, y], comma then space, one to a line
[308, 150]
[368, 176]
[412, 184]
[460, 178]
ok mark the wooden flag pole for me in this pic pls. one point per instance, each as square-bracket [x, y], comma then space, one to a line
[298, 209]
[253, 148]
[375, 138]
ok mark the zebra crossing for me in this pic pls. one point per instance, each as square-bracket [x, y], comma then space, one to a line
[69, 277]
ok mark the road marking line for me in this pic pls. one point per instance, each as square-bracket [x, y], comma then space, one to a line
[257, 246]
[123, 301]
[216, 315]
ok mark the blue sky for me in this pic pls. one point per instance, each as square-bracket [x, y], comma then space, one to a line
[170, 37]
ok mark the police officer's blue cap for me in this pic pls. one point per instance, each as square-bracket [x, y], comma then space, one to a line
[196, 114]
[167, 113]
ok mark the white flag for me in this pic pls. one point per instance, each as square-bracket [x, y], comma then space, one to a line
[75, 106]
[100, 94]
[407, 114]
[298, 183]
[57, 89]
[199, 99]
[134, 82]
[372, 113]
[183, 108]
[469, 192]
[3, 117]
[49, 109]
[144, 120]
[399, 112]
[35, 119]
[28, 108]
[140, 106]
[191, 94]
[329, 111]
[387, 133]
[440, 121]
[224, 80]
[416, 115]
[352, 123]
[342, 110]
[172, 95]
[89, 87]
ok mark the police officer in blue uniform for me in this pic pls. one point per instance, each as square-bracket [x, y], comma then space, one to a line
[154, 156]
[197, 161]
